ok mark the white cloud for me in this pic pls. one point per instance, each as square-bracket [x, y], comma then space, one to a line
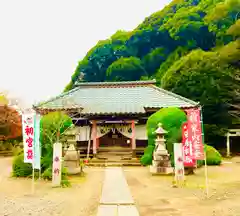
[41, 42]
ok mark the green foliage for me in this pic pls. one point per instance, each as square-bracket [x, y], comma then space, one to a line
[19, 168]
[146, 159]
[47, 175]
[68, 87]
[154, 59]
[190, 47]
[50, 125]
[190, 24]
[125, 69]
[234, 29]
[214, 75]
[213, 156]
[172, 58]
[171, 120]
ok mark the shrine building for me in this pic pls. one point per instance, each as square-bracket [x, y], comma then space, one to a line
[111, 117]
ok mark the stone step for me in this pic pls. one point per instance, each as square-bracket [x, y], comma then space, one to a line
[120, 152]
[113, 148]
[113, 163]
[118, 210]
[98, 160]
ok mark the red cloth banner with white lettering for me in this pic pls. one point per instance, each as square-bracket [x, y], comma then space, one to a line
[188, 157]
[195, 129]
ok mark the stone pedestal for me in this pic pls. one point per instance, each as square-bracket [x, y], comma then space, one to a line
[72, 160]
[161, 164]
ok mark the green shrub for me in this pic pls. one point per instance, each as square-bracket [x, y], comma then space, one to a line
[146, 159]
[172, 119]
[19, 168]
[17, 150]
[65, 182]
[47, 174]
[213, 157]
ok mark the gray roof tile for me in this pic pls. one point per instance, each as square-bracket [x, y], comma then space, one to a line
[117, 98]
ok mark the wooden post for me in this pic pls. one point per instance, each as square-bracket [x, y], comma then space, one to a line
[98, 142]
[228, 145]
[94, 137]
[133, 140]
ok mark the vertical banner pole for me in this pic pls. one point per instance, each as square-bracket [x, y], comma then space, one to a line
[33, 159]
[33, 184]
[205, 155]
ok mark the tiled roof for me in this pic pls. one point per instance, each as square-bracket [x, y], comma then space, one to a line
[117, 98]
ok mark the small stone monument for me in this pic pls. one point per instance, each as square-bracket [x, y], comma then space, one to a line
[161, 163]
[72, 160]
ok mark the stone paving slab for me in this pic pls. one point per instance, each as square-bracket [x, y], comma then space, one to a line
[107, 210]
[115, 188]
[128, 210]
[115, 210]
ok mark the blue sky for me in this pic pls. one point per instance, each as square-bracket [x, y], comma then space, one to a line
[41, 42]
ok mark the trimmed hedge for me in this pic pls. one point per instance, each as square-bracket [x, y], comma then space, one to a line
[172, 119]
[146, 159]
[213, 156]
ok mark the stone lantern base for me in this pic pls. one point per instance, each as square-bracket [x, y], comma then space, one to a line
[71, 160]
[161, 164]
[161, 170]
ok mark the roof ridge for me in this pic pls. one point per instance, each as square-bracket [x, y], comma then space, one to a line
[120, 83]
[55, 97]
[175, 95]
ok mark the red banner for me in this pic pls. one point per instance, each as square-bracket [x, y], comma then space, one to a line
[188, 157]
[195, 129]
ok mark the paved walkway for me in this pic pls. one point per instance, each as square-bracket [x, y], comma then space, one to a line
[116, 199]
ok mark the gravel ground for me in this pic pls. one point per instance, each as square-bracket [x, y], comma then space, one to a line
[154, 195]
[81, 199]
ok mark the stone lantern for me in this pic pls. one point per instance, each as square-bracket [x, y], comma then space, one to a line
[161, 163]
[71, 160]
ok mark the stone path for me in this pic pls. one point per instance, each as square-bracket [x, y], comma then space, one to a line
[116, 199]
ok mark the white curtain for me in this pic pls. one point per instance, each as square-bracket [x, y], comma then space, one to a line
[141, 132]
[82, 133]
[101, 131]
[126, 131]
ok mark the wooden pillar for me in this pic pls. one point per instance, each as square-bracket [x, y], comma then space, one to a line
[94, 137]
[133, 139]
[98, 140]
[228, 145]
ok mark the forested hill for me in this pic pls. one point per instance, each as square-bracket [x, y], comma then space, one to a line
[191, 47]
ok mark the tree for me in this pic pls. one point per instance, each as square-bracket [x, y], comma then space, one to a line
[126, 69]
[234, 29]
[154, 59]
[210, 78]
[52, 128]
[10, 123]
[3, 99]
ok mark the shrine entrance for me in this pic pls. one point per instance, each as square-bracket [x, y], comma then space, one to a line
[115, 144]
[114, 139]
